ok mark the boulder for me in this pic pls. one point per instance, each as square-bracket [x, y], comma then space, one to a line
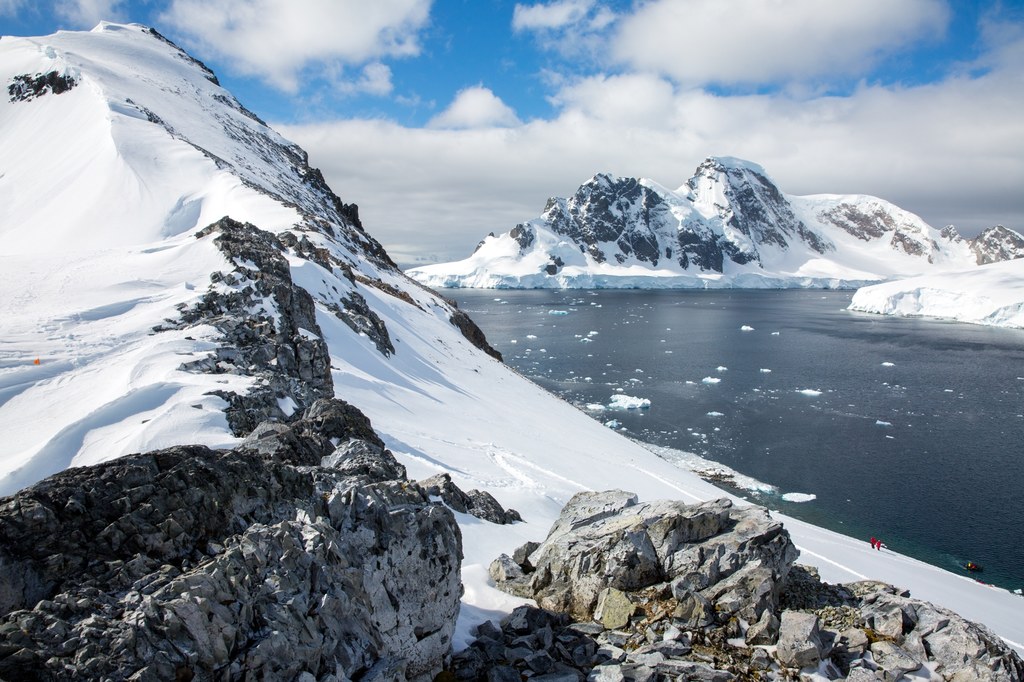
[799, 641]
[712, 552]
[614, 609]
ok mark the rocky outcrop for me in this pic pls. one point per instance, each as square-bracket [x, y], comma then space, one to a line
[997, 244]
[268, 325]
[712, 555]
[478, 503]
[25, 88]
[272, 561]
[667, 591]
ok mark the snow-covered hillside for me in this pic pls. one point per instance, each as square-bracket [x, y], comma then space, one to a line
[135, 318]
[991, 294]
[728, 226]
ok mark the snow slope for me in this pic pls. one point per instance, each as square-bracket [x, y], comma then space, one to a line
[990, 294]
[114, 255]
[728, 226]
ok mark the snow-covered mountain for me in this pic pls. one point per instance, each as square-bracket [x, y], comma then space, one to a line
[727, 226]
[174, 272]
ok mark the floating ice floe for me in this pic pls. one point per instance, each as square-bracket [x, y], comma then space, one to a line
[765, 370]
[810, 391]
[612, 424]
[888, 364]
[558, 312]
[799, 497]
[879, 422]
[595, 407]
[711, 380]
[746, 328]
[715, 414]
[721, 368]
[621, 401]
[531, 336]
[775, 333]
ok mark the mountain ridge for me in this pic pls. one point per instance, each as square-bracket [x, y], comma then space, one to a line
[728, 225]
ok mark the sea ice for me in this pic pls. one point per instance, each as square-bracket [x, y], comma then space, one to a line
[799, 497]
[721, 368]
[621, 401]
[715, 414]
[612, 423]
[711, 380]
[888, 364]
[765, 370]
[809, 391]
[558, 312]
[746, 328]
[531, 336]
[879, 422]
[595, 407]
[775, 333]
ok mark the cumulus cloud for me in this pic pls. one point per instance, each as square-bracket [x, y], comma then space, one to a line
[374, 80]
[753, 42]
[88, 13]
[277, 39]
[571, 28]
[476, 107]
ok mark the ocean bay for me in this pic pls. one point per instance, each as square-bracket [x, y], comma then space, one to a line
[904, 429]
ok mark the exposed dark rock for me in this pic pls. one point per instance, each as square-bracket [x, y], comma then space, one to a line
[472, 332]
[269, 329]
[24, 88]
[478, 503]
[361, 319]
[524, 235]
[997, 244]
[190, 563]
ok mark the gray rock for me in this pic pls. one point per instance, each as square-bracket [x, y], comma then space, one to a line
[604, 540]
[862, 675]
[478, 503]
[614, 608]
[764, 631]
[193, 562]
[799, 643]
[504, 569]
[366, 460]
[893, 660]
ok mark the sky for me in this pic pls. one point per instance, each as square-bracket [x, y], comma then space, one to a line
[445, 120]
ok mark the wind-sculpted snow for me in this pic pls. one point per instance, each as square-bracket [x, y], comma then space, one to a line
[728, 226]
[992, 295]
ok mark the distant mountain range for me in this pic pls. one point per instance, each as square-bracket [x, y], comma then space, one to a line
[728, 226]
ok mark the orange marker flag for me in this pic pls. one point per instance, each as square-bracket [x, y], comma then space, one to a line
[36, 361]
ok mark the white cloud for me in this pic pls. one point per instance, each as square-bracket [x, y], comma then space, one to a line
[277, 39]
[754, 41]
[88, 13]
[951, 152]
[476, 107]
[550, 15]
[375, 80]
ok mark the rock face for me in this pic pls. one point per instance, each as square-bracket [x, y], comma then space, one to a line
[997, 244]
[268, 324]
[286, 557]
[728, 559]
[667, 591]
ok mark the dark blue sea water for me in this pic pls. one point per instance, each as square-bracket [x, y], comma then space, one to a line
[916, 436]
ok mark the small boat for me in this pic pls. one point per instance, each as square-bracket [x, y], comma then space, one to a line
[971, 566]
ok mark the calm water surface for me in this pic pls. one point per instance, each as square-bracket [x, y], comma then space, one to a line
[905, 429]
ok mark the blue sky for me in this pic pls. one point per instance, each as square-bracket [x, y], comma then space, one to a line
[450, 119]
